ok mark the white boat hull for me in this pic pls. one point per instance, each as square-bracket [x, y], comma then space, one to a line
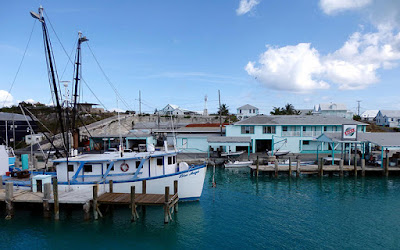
[190, 184]
[237, 164]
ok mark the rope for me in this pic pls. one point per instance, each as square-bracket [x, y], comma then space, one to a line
[20, 64]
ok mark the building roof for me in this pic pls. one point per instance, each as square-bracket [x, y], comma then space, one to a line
[229, 139]
[369, 113]
[297, 120]
[172, 106]
[13, 117]
[332, 106]
[382, 139]
[247, 106]
[390, 113]
[199, 130]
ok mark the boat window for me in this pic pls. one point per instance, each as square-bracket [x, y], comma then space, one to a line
[112, 168]
[159, 161]
[174, 160]
[137, 164]
[169, 160]
[70, 168]
[87, 168]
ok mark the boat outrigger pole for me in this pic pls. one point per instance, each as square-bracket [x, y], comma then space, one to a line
[77, 72]
[52, 72]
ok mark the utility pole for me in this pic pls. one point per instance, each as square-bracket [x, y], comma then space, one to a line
[358, 108]
[220, 112]
[140, 103]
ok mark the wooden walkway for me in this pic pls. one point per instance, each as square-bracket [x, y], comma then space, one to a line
[125, 199]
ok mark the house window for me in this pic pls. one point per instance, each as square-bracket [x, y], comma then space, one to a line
[284, 128]
[247, 130]
[306, 142]
[159, 161]
[240, 111]
[254, 111]
[269, 129]
[325, 128]
[304, 128]
[87, 168]
[137, 164]
[70, 168]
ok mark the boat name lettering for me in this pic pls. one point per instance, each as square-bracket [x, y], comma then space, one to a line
[191, 173]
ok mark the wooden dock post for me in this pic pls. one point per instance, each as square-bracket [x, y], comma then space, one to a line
[9, 197]
[298, 168]
[290, 166]
[176, 192]
[387, 166]
[276, 168]
[321, 167]
[86, 211]
[341, 162]
[95, 206]
[55, 197]
[363, 167]
[257, 166]
[111, 186]
[144, 192]
[46, 198]
[166, 208]
[355, 164]
[133, 204]
[1, 182]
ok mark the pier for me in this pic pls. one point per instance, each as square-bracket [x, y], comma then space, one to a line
[90, 199]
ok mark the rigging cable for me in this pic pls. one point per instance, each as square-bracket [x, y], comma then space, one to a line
[20, 64]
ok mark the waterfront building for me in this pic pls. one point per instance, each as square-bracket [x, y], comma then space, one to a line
[246, 111]
[14, 127]
[295, 133]
[333, 109]
[369, 115]
[388, 118]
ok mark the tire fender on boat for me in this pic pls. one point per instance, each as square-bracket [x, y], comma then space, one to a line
[124, 167]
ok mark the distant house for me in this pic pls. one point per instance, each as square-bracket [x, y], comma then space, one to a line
[369, 115]
[333, 109]
[246, 111]
[171, 109]
[388, 118]
[87, 107]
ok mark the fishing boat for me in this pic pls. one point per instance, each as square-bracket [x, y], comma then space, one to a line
[125, 169]
[237, 164]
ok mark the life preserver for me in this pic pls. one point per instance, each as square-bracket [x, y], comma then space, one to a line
[124, 167]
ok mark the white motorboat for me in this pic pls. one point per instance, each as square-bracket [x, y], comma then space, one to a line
[278, 152]
[238, 164]
[232, 153]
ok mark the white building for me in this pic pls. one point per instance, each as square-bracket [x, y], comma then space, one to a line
[171, 109]
[246, 111]
[34, 138]
[333, 109]
[388, 118]
[369, 115]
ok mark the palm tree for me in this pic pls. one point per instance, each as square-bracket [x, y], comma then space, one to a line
[223, 109]
[287, 110]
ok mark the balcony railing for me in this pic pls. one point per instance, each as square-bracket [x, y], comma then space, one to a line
[312, 133]
[290, 133]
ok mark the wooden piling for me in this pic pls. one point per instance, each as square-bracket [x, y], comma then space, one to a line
[95, 206]
[257, 166]
[387, 166]
[290, 166]
[355, 164]
[9, 197]
[321, 167]
[55, 197]
[341, 162]
[1, 182]
[133, 204]
[86, 211]
[276, 168]
[143, 192]
[363, 167]
[298, 168]
[111, 186]
[176, 192]
[46, 198]
[166, 208]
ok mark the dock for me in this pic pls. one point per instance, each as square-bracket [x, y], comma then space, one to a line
[90, 199]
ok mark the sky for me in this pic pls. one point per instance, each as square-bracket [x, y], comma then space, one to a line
[261, 52]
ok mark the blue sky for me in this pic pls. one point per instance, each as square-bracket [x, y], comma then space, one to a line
[262, 52]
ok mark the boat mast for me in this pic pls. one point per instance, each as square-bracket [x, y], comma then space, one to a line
[77, 69]
[52, 72]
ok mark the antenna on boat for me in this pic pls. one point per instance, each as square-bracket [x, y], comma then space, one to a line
[119, 131]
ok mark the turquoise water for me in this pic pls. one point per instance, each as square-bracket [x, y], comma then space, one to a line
[241, 212]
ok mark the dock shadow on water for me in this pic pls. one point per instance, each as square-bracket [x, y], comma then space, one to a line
[241, 212]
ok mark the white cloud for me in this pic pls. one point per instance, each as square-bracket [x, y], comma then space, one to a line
[353, 66]
[334, 6]
[291, 68]
[31, 101]
[245, 6]
[6, 99]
